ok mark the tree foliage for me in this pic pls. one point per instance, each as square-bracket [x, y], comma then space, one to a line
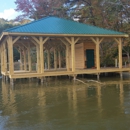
[37, 9]
[4, 24]
[110, 14]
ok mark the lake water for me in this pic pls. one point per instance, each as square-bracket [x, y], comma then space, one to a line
[61, 104]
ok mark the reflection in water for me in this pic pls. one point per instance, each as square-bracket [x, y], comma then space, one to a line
[99, 98]
[64, 105]
[121, 96]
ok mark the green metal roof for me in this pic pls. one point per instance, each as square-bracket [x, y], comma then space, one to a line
[55, 25]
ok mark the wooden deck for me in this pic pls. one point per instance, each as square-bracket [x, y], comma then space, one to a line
[63, 71]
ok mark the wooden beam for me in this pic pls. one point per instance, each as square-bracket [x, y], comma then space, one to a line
[101, 40]
[116, 39]
[62, 35]
[5, 40]
[97, 39]
[65, 43]
[45, 40]
[76, 40]
[36, 40]
[69, 41]
[24, 45]
[16, 39]
[94, 40]
[10, 55]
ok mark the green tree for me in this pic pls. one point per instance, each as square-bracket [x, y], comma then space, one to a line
[4, 24]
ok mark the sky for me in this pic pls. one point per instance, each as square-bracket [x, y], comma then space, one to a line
[7, 9]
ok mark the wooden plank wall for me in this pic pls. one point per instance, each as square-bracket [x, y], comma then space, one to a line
[80, 54]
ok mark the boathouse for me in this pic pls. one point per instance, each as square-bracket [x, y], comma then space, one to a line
[79, 42]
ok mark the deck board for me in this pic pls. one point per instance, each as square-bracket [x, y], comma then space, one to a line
[58, 72]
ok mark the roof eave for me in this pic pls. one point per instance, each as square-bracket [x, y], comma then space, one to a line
[77, 35]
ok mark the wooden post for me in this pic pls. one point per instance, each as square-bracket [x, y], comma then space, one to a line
[98, 76]
[42, 42]
[36, 43]
[1, 60]
[119, 41]
[55, 59]
[72, 41]
[29, 58]
[5, 58]
[73, 54]
[21, 62]
[25, 62]
[67, 58]
[41, 55]
[38, 59]
[120, 53]
[97, 42]
[10, 55]
[2, 64]
[7, 78]
[121, 75]
[98, 55]
[48, 59]
[12, 82]
[67, 52]
[42, 80]
[59, 54]
[75, 77]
